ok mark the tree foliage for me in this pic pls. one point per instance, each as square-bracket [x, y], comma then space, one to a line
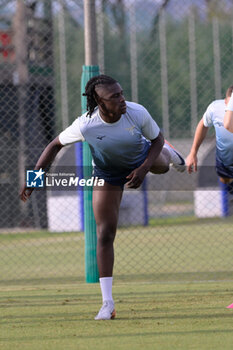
[117, 61]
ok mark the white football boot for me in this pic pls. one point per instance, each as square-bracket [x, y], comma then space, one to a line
[107, 311]
[177, 161]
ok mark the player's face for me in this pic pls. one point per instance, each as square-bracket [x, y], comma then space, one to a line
[111, 101]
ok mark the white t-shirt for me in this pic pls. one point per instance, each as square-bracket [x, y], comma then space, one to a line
[214, 116]
[119, 145]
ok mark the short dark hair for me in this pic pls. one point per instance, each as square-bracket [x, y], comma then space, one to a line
[229, 91]
[90, 92]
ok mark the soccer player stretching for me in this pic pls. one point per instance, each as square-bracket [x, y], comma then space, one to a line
[126, 143]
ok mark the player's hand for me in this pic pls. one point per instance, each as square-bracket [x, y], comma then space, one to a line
[136, 178]
[25, 193]
[191, 163]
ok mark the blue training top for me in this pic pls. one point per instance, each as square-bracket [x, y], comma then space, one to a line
[214, 116]
[115, 146]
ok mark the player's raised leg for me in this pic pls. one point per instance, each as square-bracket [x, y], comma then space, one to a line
[169, 155]
[176, 160]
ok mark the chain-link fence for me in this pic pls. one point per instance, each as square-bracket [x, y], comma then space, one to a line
[174, 58]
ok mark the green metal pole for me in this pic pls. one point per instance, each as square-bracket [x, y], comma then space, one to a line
[91, 269]
[89, 70]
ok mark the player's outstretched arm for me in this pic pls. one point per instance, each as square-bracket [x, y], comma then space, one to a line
[45, 160]
[200, 134]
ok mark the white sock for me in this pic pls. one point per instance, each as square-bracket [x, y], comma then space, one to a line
[174, 158]
[106, 288]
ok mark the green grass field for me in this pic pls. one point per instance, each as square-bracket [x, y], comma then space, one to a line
[173, 281]
[149, 316]
[169, 250]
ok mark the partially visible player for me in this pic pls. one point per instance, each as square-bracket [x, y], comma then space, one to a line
[228, 118]
[126, 143]
[214, 116]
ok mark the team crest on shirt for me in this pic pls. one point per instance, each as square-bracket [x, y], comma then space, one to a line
[131, 129]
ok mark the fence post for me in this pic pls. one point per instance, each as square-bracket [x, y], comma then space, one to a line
[217, 59]
[164, 74]
[89, 70]
[133, 53]
[100, 36]
[21, 80]
[193, 73]
[63, 63]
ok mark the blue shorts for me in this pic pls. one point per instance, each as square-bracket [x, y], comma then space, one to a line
[115, 178]
[225, 171]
